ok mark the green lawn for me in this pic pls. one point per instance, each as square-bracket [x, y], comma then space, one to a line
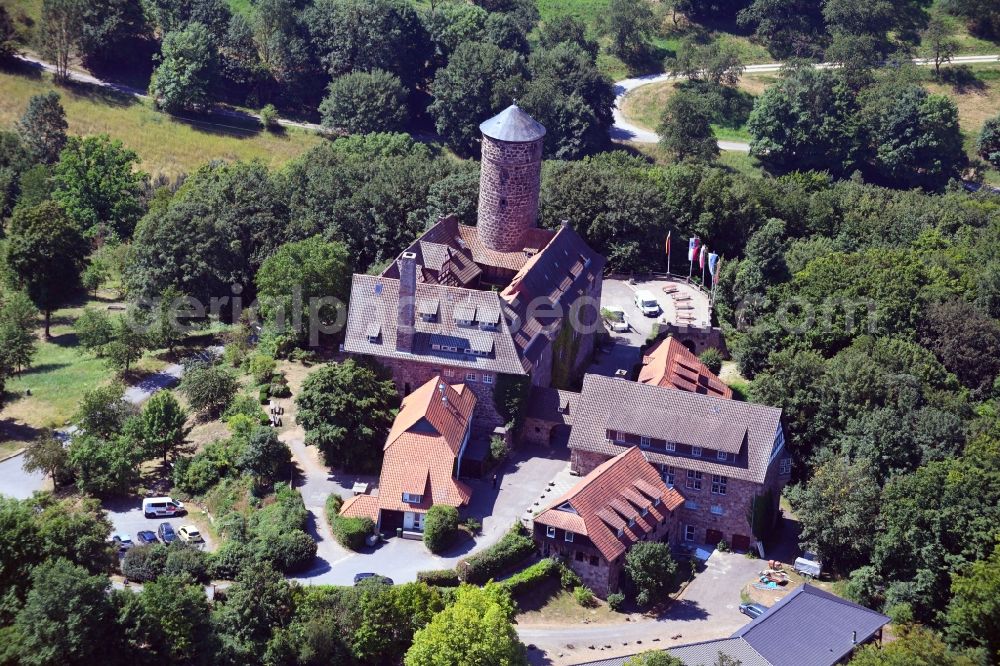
[166, 144]
[26, 15]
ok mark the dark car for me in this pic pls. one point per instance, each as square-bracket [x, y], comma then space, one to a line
[753, 611]
[374, 577]
[166, 532]
[145, 537]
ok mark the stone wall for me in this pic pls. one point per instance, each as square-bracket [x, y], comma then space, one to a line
[509, 182]
[584, 462]
[412, 373]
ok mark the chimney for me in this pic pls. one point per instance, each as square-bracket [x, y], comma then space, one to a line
[405, 330]
[854, 637]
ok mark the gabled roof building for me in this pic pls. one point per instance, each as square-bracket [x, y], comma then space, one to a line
[619, 503]
[502, 298]
[722, 455]
[669, 364]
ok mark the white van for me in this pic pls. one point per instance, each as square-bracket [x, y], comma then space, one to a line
[158, 507]
[646, 302]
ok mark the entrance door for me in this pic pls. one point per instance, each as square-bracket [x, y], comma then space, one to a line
[413, 521]
[712, 537]
[741, 542]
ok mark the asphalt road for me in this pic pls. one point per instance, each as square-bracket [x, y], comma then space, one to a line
[624, 130]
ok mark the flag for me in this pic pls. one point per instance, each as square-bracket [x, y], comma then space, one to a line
[715, 276]
[701, 257]
[668, 243]
[713, 260]
[693, 248]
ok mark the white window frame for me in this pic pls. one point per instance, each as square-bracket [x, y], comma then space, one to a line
[689, 532]
[448, 372]
[720, 484]
[694, 479]
[487, 379]
[645, 511]
[631, 522]
[696, 451]
[471, 377]
[550, 532]
[670, 446]
[621, 532]
[716, 510]
[412, 499]
[671, 475]
[691, 505]
[568, 536]
[721, 455]
[644, 442]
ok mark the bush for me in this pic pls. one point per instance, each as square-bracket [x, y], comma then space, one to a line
[534, 575]
[615, 601]
[185, 559]
[261, 367]
[269, 117]
[280, 391]
[245, 405]
[499, 449]
[712, 358]
[584, 596]
[229, 560]
[439, 527]
[473, 525]
[511, 550]
[350, 532]
[144, 563]
[287, 552]
[568, 578]
[439, 578]
[722, 546]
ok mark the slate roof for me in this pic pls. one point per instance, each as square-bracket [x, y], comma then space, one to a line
[670, 364]
[809, 627]
[420, 452]
[680, 416]
[611, 497]
[552, 405]
[512, 125]
[534, 240]
[374, 300]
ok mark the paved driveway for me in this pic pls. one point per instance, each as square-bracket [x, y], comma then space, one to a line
[708, 609]
[16, 482]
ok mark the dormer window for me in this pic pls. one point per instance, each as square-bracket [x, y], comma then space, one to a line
[670, 446]
[644, 442]
[696, 451]
[465, 315]
[410, 498]
[722, 455]
[373, 332]
[621, 532]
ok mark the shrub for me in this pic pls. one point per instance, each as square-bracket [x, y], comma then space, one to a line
[229, 560]
[144, 563]
[184, 559]
[287, 552]
[439, 577]
[534, 575]
[712, 359]
[584, 596]
[568, 578]
[245, 405]
[261, 367]
[280, 391]
[351, 532]
[722, 546]
[264, 394]
[615, 601]
[473, 525]
[439, 527]
[511, 550]
[304, 356]
[333, 504]
[499, 450]
[269, 117]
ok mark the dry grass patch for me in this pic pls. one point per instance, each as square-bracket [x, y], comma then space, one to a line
[548, 606]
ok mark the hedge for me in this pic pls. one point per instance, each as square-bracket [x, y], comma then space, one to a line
[515, 547]
[439, 527]
[534, 575]
[350, 532]
[439, 577]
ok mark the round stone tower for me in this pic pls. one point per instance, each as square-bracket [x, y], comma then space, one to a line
[509, 180]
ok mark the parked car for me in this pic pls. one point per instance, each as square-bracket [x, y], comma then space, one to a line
[646, 302]
[753, 610]
[146, 536]
[616, 319]
[157, 507]
[166, 533]
[121, 541]
[189, 534]
[369, 576]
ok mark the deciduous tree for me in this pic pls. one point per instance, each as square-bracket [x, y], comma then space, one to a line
[188, 61]
[651, 568]
[363, 102]
[685, 128]
[163, 424]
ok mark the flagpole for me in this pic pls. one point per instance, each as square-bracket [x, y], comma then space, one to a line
[704, 261]
[668, 254]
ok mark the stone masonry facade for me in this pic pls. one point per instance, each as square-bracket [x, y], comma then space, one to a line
[714, 516]
[508, 192]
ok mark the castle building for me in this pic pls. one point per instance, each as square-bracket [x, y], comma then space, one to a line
[477, 305]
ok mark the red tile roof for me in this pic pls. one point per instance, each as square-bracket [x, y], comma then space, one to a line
[609, 498]
[671, 365]
[420, 452]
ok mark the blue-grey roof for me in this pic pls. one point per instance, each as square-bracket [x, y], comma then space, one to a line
[513, 125]
[811, 627]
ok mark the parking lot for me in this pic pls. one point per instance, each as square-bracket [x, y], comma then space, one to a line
[126, 517]
[680, 303]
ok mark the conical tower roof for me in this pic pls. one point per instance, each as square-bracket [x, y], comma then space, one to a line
[513, 125]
